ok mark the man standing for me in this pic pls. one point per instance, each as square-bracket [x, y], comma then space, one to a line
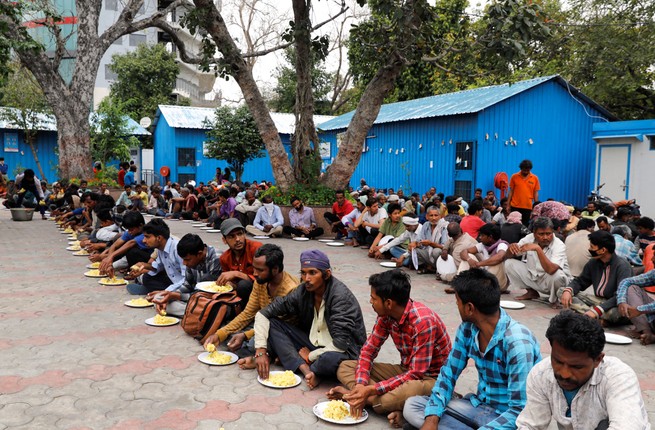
[202, 264]
[268, 221]
[579, 387]
[329, 329]
[603, 272]
[503, 351]
[302, 221]
[340, 208]
[523, 191]
[271, 282]
[236, 262]
[418, 334]
[246, 211]
[543, 267]
[4, 168]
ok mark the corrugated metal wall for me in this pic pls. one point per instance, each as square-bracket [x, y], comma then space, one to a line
[167, 140]
[45, 149]
[562, 149]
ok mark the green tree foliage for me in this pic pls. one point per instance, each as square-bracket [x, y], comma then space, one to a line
[110, 135]
[145, 79]
[234, 137]
[284, 93]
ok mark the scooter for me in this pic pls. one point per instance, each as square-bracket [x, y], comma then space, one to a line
[600, 200]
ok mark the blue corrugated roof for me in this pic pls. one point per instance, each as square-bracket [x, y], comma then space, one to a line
[194, 117]
[49, 123]
[462, 102]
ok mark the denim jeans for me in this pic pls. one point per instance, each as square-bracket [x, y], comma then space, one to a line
[397, 252]
[414, 413]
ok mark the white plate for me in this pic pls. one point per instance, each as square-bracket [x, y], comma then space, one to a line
[198, 225]
[206, 228]
[132, 305]
[86, 254]
[73, 248]
[203, 357]
[446, 267]
[172, 219]
[90, 266]
[151, 321]
[617, 339]
[301, 239]
[388, 264]
[509, 304]
[415, 258]
[213, 230]
[202, 286]
[188, 220]
[334, 243]
[320, 407]
[65, 232]
[261, 237]
[326, 240]
[113, 285]
[273, 372]
[88, 275]
[386, 239]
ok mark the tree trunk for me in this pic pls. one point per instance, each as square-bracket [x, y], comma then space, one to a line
[30, 138]
[74, 146]
[306, 159]
[214, 24]
[341, 170]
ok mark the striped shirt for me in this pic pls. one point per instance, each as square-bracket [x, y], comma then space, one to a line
[644, 280]
[421, 338]
[502, 370]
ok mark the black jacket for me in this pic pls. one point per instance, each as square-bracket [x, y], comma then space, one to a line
[343, 314]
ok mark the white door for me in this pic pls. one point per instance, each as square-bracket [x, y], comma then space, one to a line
[614, 171]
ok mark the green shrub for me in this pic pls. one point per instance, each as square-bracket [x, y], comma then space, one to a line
[311, 195]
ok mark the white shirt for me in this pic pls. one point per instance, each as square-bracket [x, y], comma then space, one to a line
[485, 254]
[612, 392]
[556, 253]
[380, 215]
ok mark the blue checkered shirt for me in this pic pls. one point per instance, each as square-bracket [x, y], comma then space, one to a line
[628, 250]
[644, 280]
[502, 370]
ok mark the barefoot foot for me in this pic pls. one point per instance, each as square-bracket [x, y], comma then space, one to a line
[337, 393]
[247, 363]
[633, 333]
[312, 380]
[530, 294]
[647, 338]
[396, 419]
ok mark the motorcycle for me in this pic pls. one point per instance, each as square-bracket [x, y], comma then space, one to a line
[602, 201]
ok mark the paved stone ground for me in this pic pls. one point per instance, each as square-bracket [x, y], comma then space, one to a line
[73, 357]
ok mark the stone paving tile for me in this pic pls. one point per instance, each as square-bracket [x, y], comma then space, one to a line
[81, 359]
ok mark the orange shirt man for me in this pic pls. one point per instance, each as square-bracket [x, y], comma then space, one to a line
[524, 190]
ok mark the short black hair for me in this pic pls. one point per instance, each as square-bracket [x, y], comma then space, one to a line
[452, 208]
[608, 210]
[392, 284]
[127, 186]
[601, 219]
[525, 164]
[104, 215]
[225, 193]
[475, 206]
[267, 199]
[133, 219]
[492, 230]
[339, 192]
[190, 244]
[603, 239]
[371, 201]
[293, 199]
[480, 288]
[393, 207]
[274, 256]
[577, 332]
[586, 223]
[157, 227]
[645, 222]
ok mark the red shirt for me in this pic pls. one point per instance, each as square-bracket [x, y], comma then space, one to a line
[471, 224]
[421, 338]
[229, 262]
[342, 211]
[121, 177]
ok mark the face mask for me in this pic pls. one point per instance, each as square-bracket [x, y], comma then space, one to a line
[593, 253]
[268, 206]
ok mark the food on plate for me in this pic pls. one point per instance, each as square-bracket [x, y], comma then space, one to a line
[76, 243]
[139, 302]
[219, 358]
[215, 288]
[93, 272]
[74, 248]
[69, 230]
[81, 252]
[163, 320]
[336, 410]
[282, 379]
[95, 265]
[112, 281]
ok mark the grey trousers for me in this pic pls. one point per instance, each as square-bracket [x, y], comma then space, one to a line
[520, 277]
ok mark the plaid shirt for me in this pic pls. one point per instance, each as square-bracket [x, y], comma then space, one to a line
[208, 270]
[421, 338]
[644, 280]
[628, 250]
[502, 370]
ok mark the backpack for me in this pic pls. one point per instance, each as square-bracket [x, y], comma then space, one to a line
[207, 312]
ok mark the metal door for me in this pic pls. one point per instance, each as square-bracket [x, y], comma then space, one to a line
[464, 169]
[614, 171]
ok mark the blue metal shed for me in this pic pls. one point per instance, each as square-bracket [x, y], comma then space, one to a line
[457, 142]
[17, 152]
[179, 138]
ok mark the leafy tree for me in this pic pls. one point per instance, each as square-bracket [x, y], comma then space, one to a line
[110, 136]
[145, 79]
[234, 137]
[28, 108]
[284, 93]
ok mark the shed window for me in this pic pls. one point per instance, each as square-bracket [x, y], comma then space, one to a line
[184, 178]
[464, 156]
[651, 139]
[186, 157]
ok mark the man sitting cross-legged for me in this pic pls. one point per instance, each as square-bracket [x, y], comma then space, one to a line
[636, 304]
[271, 282]
[491, 250]
[579, 387]
[329, 324]
[419, 335]
[503, 351]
